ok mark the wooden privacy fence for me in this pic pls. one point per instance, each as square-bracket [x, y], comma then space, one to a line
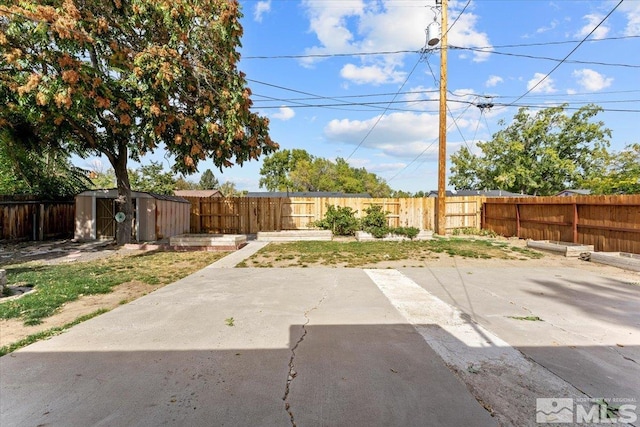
[36, 220]
[248, 215]
[609, 223]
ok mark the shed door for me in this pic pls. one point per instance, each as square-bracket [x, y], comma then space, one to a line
[105, 219]
[106, 222]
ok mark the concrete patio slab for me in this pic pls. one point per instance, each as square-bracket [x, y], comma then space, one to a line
[307, 347]
[589, 328]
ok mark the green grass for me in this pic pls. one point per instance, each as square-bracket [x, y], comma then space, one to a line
[48, 333]
[529, 318]
[56, 285]
[357, 254]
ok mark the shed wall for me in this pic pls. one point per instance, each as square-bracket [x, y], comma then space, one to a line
[146, 219]
[84, 218]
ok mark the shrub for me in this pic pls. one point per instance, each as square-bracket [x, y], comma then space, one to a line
[470, 231]
[341, 221]
[410, 232]
[375, 221]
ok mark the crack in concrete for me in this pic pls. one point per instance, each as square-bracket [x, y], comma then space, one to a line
[292, 372]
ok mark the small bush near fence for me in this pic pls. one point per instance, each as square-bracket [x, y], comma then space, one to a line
[342, 221]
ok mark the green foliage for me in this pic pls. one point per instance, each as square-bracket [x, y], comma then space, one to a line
[102, 180]
[621, 175]
[228, 189]
[184, 184]
[375, 221]
[276, 168]
[38, 170]
[208, 181]
[297, 170]
[410, 232]
[153, 179]
[340, 220]
[538, 154]
[470, 231]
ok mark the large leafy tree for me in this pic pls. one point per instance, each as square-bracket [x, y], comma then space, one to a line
[277, 167]
[121, 78]
[538, 153]
[621, 175]
[297, 170]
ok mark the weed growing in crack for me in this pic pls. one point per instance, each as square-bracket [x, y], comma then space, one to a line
[529, 318]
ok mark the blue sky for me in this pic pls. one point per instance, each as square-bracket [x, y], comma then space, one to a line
[344, 78]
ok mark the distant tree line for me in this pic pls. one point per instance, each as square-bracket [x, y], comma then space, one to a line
[153, 178]
[297, 170]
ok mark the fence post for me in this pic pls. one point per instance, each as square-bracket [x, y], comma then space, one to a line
[575, 223]
[41, 222]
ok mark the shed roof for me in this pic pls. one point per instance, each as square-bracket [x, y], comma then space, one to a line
[574, 192]
[198, 193]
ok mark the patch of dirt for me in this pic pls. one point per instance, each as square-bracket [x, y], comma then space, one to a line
[13, 330]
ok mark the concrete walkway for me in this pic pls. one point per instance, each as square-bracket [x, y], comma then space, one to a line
[335, 347]
[308, 347]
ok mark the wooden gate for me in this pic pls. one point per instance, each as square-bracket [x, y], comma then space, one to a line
[105, 219]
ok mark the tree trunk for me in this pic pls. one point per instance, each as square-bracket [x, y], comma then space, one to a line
[123, 202]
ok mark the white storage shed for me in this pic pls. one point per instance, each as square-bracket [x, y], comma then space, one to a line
[156, 216]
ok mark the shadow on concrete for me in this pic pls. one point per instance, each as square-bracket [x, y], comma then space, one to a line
[340, 375]
[337, 375]
[614, 301]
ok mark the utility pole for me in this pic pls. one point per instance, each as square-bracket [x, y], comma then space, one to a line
[442, 145]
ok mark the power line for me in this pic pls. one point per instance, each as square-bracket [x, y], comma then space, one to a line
[546, 58]
[383, 113]
[569, 54]
[399, 90]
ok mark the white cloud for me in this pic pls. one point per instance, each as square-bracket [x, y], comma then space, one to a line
[632, 10]
[592, 80]
[386, 167]
[398, 134]
[260, 9]
[373, 74]
[493, 81]
[284, 114]
[592, 21]
[381, 26]
[537, 85]
[378, 168]
[552, 25]
[464, 34]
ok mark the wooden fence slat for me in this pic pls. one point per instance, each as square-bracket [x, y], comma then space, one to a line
[610, 223]
[36, 220]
